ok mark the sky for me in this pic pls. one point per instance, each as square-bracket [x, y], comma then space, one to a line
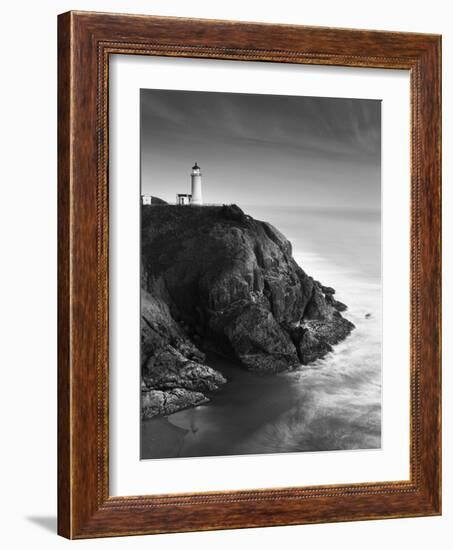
[262, 149]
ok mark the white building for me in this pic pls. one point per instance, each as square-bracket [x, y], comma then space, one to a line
[183, 198]
[197, 197]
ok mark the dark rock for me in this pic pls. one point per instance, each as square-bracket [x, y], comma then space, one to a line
[318, 307]
[327, 290]
[256, 338]
[170, 361]
[228, 282]
[159, 403]
[233, 212]
[167, 368]
[331, 331]
[310, 347]
[339, 306]
[159, 328]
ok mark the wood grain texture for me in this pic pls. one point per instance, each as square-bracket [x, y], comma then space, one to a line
[86, 40]
[64, 368]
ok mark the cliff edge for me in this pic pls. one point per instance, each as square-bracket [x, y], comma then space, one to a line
[216, 279]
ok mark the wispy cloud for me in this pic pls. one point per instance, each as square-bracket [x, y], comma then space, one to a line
[327, 147]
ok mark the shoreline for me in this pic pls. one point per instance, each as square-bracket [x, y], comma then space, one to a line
[262, 414]
[191, 430]
[251, 302]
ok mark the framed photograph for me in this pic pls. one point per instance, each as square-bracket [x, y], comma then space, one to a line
[249, 275]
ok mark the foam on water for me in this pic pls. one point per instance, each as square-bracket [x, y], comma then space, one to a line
[339, 397]
[332, 404]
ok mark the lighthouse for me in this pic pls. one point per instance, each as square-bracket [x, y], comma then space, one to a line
[197, 197]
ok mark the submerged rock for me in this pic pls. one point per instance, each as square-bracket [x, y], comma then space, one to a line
[214, 278]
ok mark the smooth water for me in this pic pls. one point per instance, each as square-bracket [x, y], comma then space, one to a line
[332, 404]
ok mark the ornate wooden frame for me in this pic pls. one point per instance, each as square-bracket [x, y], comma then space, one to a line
[85, 42]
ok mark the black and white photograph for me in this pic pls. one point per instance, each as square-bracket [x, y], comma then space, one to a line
[226, 255]
[260, 274]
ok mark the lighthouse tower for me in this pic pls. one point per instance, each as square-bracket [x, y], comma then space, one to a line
[197, 197]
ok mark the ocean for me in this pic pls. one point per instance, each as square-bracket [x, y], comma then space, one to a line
[333, 404]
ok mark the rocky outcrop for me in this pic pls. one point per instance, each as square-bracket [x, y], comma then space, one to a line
[173, 373]
[158, 403]
[328, 293]
[167, 368]
[214, 278]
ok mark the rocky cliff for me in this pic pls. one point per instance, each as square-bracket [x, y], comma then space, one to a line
[216, 279]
